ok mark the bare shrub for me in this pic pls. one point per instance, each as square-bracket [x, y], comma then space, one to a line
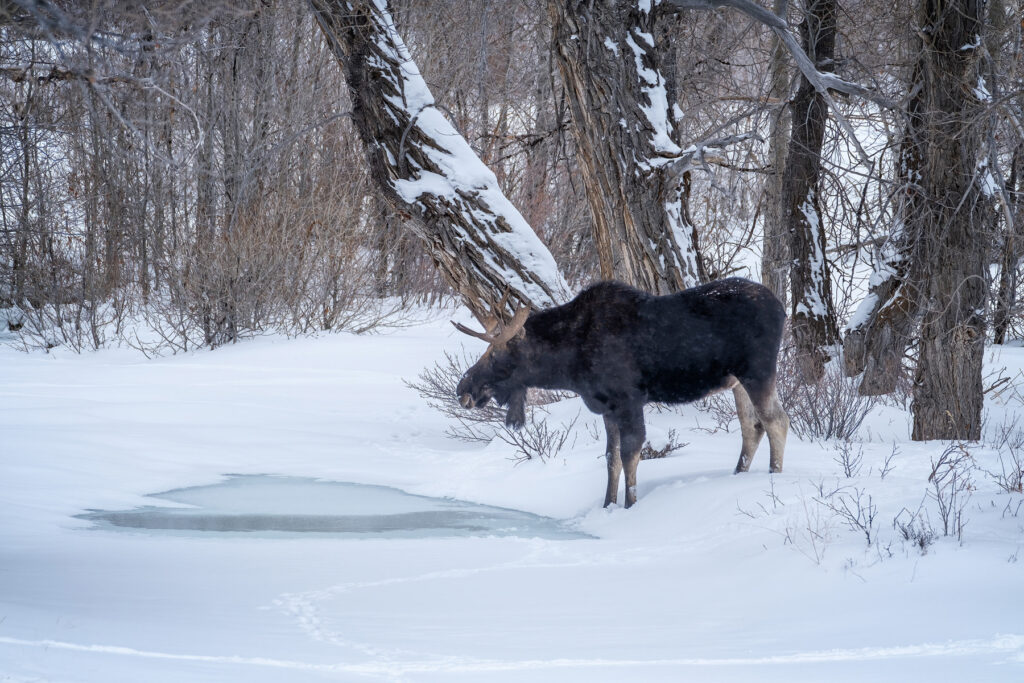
[830, 408]
[536, 439]
[888, 466]
[721, 408]
[915, 528]
[1010, 478]
[848, 456]
[855, 508]
[811, 531]
[952, 484]
[673, 444]
[1007, 438]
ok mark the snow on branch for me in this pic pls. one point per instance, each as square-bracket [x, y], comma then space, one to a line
[429, 172]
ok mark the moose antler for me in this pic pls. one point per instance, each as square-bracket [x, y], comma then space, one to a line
[499, 334]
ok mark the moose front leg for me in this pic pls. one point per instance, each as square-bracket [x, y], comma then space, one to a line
[612, 455]
[632, 435]
[516, 415]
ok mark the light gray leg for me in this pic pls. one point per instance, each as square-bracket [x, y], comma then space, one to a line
[612, 455]
[776, 424]
[750, 427]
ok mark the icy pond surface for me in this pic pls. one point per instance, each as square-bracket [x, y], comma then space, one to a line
[271, 505]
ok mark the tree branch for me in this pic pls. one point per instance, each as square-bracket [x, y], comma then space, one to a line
[822, 82]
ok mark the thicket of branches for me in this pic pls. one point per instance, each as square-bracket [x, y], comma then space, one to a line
[194, 167]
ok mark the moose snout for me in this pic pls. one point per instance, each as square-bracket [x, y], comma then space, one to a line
[466, 400]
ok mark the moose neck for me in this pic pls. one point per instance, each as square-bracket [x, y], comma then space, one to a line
[545, 370]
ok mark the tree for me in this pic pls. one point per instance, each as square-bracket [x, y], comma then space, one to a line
[775, 259]
[1012, 249]
[933, 271]
[427, 171]
[622, 108]
[813, 319]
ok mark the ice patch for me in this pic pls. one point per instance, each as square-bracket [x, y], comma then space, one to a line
[263, 504]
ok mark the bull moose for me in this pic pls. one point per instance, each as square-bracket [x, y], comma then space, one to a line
[620, 348]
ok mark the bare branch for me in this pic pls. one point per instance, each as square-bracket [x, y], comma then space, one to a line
[822, 82]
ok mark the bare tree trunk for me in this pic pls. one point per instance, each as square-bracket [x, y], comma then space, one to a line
[883, 325]
[933, 269]
[623, 121]
[775, 260]
[426, 170]
[813, 314]
[959, 220]
[1012, 251]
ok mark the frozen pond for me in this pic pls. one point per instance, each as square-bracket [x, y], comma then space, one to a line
[270, 505]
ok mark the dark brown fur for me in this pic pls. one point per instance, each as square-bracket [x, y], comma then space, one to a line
[620, 348]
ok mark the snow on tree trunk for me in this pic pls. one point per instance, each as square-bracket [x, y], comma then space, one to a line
[623, 121]
[428, 172]
[813, 321]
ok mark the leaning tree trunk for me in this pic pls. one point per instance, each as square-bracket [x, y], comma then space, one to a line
[426, 170]
[623, 122]
[959, 216]
[813, 320]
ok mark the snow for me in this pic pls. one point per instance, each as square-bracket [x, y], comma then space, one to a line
[710, 577]
[812, 304]
[980, 91]
[990, 187]
[657, 112]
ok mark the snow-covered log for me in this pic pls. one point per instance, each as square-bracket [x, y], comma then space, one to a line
[429, 173]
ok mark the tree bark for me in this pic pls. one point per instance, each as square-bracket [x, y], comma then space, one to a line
[813, 318]
[1012, 251]
[775, 259]
[428, 173]
[957, 221]
[623, 121]
[884, 323]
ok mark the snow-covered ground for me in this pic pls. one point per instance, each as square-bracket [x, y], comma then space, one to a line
[711, 577]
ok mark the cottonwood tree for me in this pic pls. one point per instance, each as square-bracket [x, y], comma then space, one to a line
[623, 114]
[1005, 73]
[1012, 251]
[427, 171]
[813, 318]
[775, 258]
[934, 270]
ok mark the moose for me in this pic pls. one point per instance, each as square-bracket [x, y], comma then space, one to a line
[620, 348]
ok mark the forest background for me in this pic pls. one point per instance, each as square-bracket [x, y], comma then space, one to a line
[180, 175]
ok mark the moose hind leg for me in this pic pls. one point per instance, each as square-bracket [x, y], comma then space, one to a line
[773, 417]
[614, 458]
[751, 428]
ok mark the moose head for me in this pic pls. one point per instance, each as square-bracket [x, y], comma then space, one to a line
[494, 374]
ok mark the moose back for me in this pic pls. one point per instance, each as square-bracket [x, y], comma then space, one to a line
[620, 348]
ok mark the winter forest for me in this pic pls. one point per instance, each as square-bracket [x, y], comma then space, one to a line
[234, 232]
